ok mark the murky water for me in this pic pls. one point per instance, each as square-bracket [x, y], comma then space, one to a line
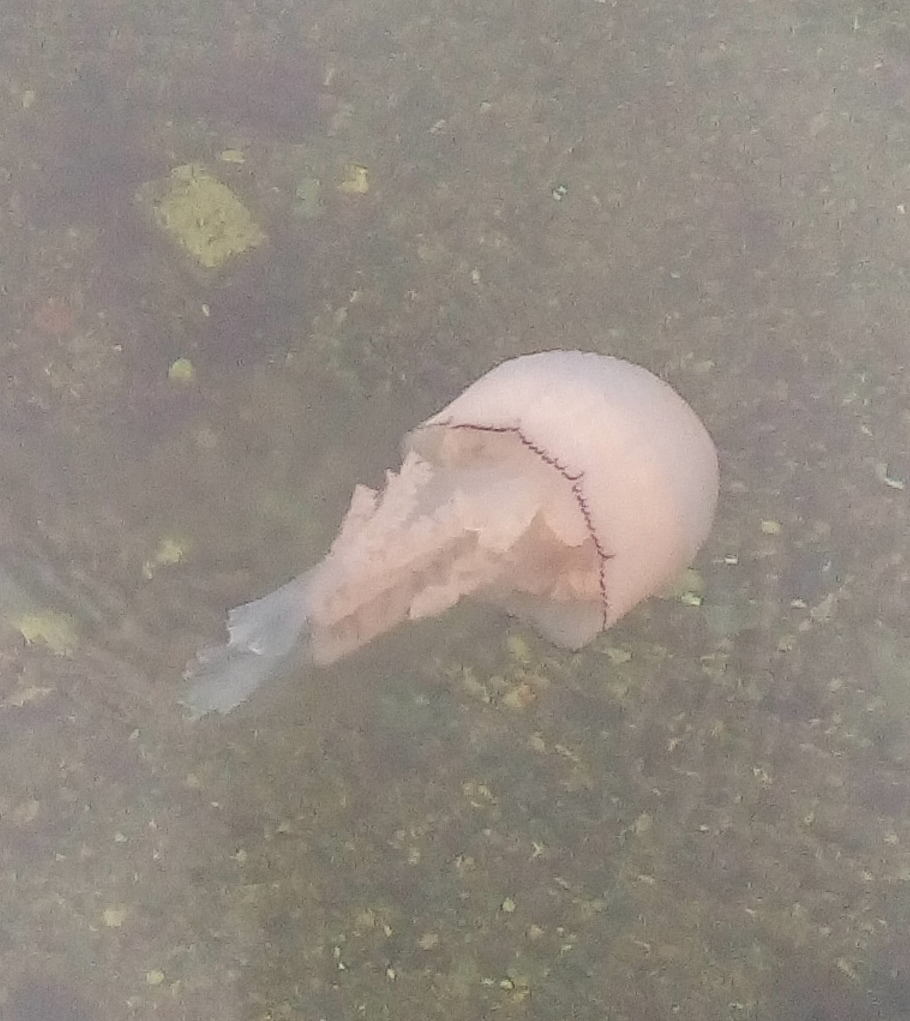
[704, 814]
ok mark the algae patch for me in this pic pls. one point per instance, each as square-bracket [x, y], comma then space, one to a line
[201, 215]
[47, 627]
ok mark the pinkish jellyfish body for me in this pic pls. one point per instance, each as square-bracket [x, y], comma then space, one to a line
[562, 487]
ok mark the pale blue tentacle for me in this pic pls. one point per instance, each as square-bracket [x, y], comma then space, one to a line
[262, 635]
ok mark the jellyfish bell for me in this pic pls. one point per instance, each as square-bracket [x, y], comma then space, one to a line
[562, 487]
[628, 474]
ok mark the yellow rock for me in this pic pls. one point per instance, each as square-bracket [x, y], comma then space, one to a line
[355, 180]
[55, 630]
[170, 550]
[182, 371]
[114, 917]
[201, 215]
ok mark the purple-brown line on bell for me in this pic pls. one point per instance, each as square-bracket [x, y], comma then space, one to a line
[575, 480]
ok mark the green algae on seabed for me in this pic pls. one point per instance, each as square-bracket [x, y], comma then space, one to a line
[201, 215]
[37, 622]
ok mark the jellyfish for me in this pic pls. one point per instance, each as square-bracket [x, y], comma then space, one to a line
[562, 487]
